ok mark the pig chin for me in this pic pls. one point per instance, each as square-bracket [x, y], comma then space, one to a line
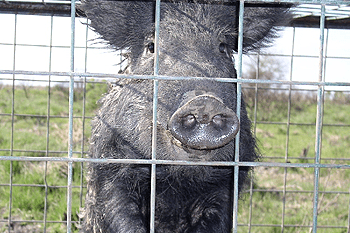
[175, 150]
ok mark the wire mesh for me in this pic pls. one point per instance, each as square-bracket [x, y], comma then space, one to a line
[70, 159]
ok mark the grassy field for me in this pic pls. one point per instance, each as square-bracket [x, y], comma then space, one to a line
[269, 203]
[279, 195]
[31, 127]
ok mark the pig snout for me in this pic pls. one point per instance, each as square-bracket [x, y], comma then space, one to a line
[204, 122]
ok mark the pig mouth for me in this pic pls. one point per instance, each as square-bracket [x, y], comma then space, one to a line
[192, 151]
[196, 152]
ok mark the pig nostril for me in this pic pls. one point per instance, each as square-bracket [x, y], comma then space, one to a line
[219, 121]
[189, 121]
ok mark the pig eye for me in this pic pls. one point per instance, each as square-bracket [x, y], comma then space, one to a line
[150, 47]
[222, 47]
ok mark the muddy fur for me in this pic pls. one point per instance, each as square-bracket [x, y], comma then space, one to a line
[188, 198]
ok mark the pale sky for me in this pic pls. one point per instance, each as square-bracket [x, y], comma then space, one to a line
[33, 50]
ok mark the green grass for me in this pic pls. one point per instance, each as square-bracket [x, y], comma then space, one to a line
[297, 204]
[30, 139]
[268, 202]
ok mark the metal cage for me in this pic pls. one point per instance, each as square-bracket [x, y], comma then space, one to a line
[21, 157]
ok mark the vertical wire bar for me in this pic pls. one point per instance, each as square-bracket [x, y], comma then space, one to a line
[287, 133]
[156, 38]
[12, 122]
[82, 146]
[154, 128]
[256, 89]
[84, 106]
[348, 228]
[70, 134]
[256, 99]
[239, 97]
[250, 205]
[319, 120]
[48, 125]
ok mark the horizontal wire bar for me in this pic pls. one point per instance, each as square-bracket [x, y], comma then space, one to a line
[162, 77]
[108, 48]
[294, 55]
[45, 116]
[290, 225]
[257, 122]
[37, 221]
[60, 46]
[241, 225]
[41, 151]
[64, 2]
[307, 158]
[177, 162]
[57, 81]
[41, 186]
[336, 2]
[294, 191]
[86, 152]
[300, 124]
[93, 81]
[243, 191]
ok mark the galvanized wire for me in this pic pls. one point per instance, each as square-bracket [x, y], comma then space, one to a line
[162, 77]
[48, 126]
[82, 153]
[287, 135]
[12, 124]
[70, 134]
[176, 162]
[319, 122]
[238, 113]
[154, 120]
[87, 78]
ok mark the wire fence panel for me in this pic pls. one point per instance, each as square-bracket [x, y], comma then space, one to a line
[54, 70]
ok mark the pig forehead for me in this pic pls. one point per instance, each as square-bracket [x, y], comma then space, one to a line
[194, 11]
[202, 17]
[186, 89]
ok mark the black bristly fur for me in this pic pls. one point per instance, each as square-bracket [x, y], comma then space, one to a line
[188, 198]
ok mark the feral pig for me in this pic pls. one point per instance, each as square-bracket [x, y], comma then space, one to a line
[196, 118]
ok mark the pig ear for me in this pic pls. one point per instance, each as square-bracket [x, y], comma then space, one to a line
[122, 24]
[260, 25]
